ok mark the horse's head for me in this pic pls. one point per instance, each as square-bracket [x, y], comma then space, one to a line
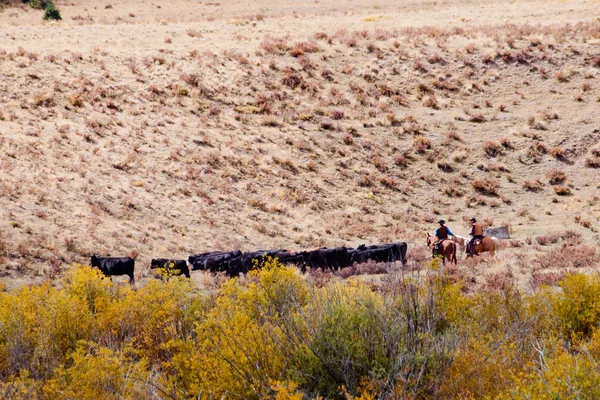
[429, 239]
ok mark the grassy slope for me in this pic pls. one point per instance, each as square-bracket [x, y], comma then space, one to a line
[172, 138]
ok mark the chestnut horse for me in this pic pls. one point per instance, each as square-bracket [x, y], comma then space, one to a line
[447, 249]
[488, 243]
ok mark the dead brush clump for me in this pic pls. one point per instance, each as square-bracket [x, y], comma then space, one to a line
[418, 257]
[459, 156]
[3, 246]
[532, 185]
[487, 185]
[592, 162]
[258, 204]
[365, 180]
[320, 277]
[401, 160]
[562, 190]
[292, 80]
[421, 144]
[564, 75]
[191, 79]
[537, 125]
[556, 176]
[388, 182]
[546, 240]
[477, 118]
[577, 256]
[270, 121]
[475, 200]
[193, 33]
[445, 166]
[557, 152]
[571, 237]
[321, 36]
[436, 59]
[539, 278]
[548, 115]
[431, 102]
[453, 188]
[368, 268]
[274, 46]
[586, 223]
[301, 48]
[453, 135]
[337, 115]
[536, 150]
[507, 144]
[378, 162]
[44, 100]
[492, 149]
[501, 281]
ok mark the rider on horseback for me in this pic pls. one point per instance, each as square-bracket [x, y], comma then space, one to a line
[441, 234]
[476, 234]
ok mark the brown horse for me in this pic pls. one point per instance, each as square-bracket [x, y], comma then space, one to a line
[447, 249]
[487, 244]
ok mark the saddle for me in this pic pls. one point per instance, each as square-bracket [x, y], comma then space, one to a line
[472, 244]
[436, 246]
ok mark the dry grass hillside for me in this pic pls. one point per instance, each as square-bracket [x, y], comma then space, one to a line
[135, 128]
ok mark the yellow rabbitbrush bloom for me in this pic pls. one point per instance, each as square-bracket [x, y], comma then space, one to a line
[151, 317]
[96, 372]
[277, 334]
[559, 376]
[39, 326]
[578, 306]
[241, 345]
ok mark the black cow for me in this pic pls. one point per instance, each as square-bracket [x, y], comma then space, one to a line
[115, 266]
[247, 260]
[292, 258]
[214, 261]
[380, 253]
[197, 260]
[335, 258]
[178, 267]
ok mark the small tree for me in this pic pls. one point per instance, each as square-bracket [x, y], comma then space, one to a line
[51, 12]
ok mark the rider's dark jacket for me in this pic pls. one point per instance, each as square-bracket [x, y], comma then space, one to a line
[442, 233]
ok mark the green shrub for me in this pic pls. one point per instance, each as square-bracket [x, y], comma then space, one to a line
[51, 12]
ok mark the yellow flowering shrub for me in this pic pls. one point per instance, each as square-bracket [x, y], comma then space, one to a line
[276, 334]
[578, 305]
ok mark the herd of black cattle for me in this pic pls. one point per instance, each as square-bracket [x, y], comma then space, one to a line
[234, 263]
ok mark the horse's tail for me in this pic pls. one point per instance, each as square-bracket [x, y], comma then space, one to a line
[496, 245]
